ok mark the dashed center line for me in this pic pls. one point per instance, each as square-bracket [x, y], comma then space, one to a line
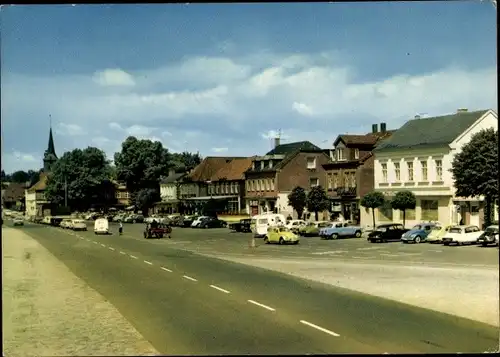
[189, 278]
[368, 257]
[132, 256]
[148, 262]
[111, 248]
[103, 245]
[94, 242]
[261, 305]
[166, 269]
[319, 328]
[122, 252]
[220, 289]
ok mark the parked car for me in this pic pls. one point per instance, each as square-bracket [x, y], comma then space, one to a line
[418, 233]
[186, 221]
[311, 229]
[459, 235]
[196, 222]
[66, 223]
[340, 230]
[119, 217]
[134, 218]
[281, 235]
[437, 233]
[18, 222]
[242, 226]
[212, 222]
[387, 232]
[55, 221]
[295, 224]
[490, 236]
[78, 225]
[101, 226]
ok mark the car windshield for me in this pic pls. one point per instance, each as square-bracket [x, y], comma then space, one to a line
[382, 229]
[284, 229]
[455, 230]
[417, 227]
[436, 228]
[493, 230]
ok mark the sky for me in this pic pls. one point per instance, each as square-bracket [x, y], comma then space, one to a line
[223, 79]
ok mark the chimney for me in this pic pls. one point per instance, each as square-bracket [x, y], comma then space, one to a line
[462, 110]
[171, 172]
[374, 128]
[276, 142]
[383, 127]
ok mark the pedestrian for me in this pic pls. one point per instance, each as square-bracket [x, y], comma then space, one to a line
[120, 228]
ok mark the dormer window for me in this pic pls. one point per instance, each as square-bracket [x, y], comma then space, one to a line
[270, 164]
[340, 154]
[356, 154]
[253, 165]
[332, 155]
[262, 165]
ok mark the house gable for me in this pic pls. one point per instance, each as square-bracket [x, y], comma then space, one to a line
[487, 121]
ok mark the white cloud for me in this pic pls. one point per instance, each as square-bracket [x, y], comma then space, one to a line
[114, 77]
[115, 126]
[219, 150]
[70, 129]
[302, 108]
[16, 160]
[139, 130]
[271, 134]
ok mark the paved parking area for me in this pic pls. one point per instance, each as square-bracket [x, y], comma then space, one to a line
[223, 242]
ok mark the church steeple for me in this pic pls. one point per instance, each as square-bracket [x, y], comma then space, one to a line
[50, 157]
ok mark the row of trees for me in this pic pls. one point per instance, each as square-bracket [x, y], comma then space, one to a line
[84, 177]
[30, 177]
[316, 200]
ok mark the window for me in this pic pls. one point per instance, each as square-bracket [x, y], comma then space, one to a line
[356, 154]
[266, 184]
[439, 170]
[311, 163]
[236, 187]
[353, 179]
[335, 181]
[272, 184]
[227, 188]
[247, 185]
[410, 171]
[261, 185]
[232, 187]
[384, 173]
[262, 165]
[429, 210]
[270, 164]
[253, 165]
[329, 178]
[313, 182]
[340, 154]
[423, 165]
[217, 189]
[397, 171]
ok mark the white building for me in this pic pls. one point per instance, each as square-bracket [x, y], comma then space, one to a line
[418, 157]
[169, 194]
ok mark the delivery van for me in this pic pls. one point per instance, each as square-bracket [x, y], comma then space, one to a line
[262, 222]
[101, 226]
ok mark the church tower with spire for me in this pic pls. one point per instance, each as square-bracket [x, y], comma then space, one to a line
[50, 157]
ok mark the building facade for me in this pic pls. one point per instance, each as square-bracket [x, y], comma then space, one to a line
[350, 174]
[418, 157]
[273, 176]
[170, 193]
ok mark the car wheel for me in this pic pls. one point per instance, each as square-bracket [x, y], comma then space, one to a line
[134, 221]
[334, 236]
[266, 240]
[484, 244]
[281, 241]
[357, 234]
[417, 239]
[446, 243]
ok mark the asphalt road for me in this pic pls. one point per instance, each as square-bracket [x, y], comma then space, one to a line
[185, 303]
[223, 242]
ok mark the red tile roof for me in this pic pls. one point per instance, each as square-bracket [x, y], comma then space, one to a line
[233, 170]
[41, 184]
[209, 167]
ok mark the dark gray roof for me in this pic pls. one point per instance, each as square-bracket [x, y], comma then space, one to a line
[435, 131]
[173, 178]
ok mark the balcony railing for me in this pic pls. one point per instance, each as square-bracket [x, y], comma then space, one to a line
[346, 191]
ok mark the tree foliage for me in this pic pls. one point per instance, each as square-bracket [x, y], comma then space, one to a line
[146, 198]
[31, 177]
[213, 207]
[475, 169]
[317, 200]
[185, 161]
[141, 163]
[373, 200]
[298, 200]
[86, 173]
[404, 200]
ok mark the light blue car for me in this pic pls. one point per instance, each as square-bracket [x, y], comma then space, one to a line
[340, 230]
[418, 233]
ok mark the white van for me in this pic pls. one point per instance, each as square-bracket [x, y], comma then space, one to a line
[262, 222]
[101, 226]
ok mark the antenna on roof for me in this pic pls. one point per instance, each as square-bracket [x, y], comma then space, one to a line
[277, 139]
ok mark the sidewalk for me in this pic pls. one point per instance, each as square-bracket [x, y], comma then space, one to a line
[48, 311]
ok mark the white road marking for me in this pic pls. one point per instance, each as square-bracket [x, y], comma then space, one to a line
[166, 269]
[319, 328]
[189, 278]
[220, 289]
[369, 257]
[402, 253]
[111, 248]
[80, 237]
[368, 248]
[145, 261]
[261, 305]
[132, 256]
[122, 252]
[103, 245]
[94, 242]
[330, 252]
[390, 255]
[435, 251]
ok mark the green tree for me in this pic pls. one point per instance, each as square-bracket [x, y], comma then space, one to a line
[140, 164]
[317, 200]
[213, 207]
[20, 177]
[146, 198]
[86, 174]
[34, 177]
[475, 170]
[298, 200]
[185, 161]
[402, 201]
[373, 200]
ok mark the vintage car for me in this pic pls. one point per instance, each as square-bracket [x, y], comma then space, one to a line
[437, 233]
[490, 236]
[66, 223]
[212, 222]
[311, 229]
[18, 222]
[340, 230]
[134, 218]
[280, 235]
[295, 224]
[78, 225]
[157, 230]
[387, 232]
[418, 233]
[242, 226]
[459, 235]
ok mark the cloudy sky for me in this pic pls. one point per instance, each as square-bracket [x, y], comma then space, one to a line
[221, 79]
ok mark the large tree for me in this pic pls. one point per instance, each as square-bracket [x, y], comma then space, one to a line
[146, 198]
[373, 200]
[475, 169]
[298, 200]
[404, 200]
[85, 174]
[317, 200]
[185, 161]
[20, 177]
[141, 164]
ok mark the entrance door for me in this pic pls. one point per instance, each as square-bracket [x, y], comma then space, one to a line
[254, 210]
[474, 215]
